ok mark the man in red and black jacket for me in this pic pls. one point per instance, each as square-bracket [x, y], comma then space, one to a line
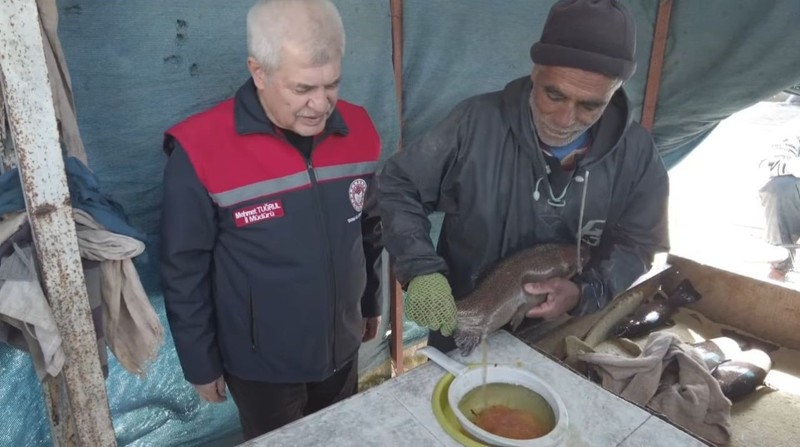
[270, 255]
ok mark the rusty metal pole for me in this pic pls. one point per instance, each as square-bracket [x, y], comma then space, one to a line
[77, 400]
[396, 292]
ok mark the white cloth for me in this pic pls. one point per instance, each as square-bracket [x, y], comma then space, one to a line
[24, 306]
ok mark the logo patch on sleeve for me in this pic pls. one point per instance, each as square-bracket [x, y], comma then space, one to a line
[258, 213]
[356, 192]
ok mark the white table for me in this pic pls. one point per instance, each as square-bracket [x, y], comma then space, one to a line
[399, 412]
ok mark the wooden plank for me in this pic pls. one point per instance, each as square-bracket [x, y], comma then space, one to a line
[397, 59]
[396, 314]
[396, 291]
[766, 310]
[657, 52]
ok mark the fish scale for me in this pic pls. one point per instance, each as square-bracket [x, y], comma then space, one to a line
[500, 298]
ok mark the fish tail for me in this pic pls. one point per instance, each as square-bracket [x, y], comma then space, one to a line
[684, 294]
[467, 340]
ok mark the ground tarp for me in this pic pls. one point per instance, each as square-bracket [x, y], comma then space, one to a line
[139, 67]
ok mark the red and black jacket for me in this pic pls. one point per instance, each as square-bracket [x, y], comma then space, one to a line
[269, 260]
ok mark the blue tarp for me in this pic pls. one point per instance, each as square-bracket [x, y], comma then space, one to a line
[139, 67]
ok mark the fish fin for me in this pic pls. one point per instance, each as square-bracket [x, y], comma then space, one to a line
[684, 294]
[659, 297]
[575, 346]
[467, 341]
[519, 315]
[621, 329]
[632, 328]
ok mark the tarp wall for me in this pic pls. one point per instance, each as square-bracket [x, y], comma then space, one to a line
[722, 56]
[138, 67]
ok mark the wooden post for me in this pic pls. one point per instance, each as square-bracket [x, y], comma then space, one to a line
[657, 53]
[396, 292]
[76, 399]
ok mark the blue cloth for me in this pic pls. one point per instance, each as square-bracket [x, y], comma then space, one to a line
[562, 151]
[85, 194]
[11, 198]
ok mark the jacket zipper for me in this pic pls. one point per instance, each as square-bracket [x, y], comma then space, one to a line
[331, 277]
[253, 337]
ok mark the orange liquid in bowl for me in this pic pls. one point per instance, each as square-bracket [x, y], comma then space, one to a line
[510, 422]
[510, 411]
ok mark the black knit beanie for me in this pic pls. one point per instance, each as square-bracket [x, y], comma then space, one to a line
[592, 35]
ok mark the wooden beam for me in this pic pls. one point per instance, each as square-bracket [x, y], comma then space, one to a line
[656, 67]
[76, 399]
[763, 308]
[396, 345]
[396, 292]
[397, 59]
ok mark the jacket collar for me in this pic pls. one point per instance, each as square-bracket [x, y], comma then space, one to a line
[250, 117]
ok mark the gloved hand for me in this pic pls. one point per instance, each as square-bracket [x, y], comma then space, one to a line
[429, 303]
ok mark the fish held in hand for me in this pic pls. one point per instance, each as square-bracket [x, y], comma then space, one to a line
[500, 296]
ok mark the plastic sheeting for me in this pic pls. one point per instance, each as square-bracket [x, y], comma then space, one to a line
[722, 56]
[456, 49]
[138, 67]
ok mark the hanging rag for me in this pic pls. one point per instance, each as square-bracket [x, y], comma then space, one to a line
[23, 306]
[130, 324]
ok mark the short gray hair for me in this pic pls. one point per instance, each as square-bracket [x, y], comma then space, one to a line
[314, 24]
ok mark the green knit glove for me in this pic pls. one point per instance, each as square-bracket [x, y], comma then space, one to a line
[429, 303]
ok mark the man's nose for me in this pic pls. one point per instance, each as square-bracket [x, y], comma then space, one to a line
[318, 101]
[564, 117]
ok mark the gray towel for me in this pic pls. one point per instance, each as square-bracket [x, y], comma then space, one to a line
[670, 377]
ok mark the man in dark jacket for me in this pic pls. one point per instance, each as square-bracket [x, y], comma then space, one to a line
[270, 255]
[781, 200]
[554, 157]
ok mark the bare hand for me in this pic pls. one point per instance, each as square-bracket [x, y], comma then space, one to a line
[370, 329]
[212, 392]
[562, 296]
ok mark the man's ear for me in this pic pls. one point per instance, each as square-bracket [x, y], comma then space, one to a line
[257, 72]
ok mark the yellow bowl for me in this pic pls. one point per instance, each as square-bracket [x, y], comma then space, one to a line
[444, 414]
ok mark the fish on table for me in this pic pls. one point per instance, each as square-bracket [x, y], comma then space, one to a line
[500, 297]
[656, 312]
